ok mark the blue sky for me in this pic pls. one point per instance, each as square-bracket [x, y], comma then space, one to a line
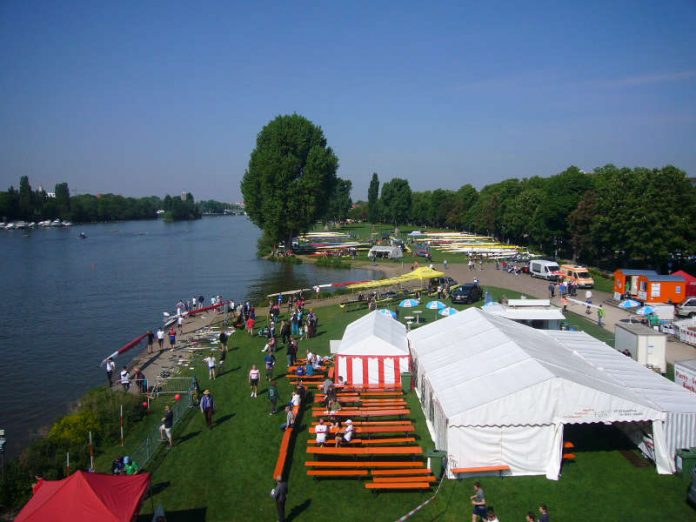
[142, 98]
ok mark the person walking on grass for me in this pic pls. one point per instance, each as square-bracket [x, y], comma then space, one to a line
[166, 426]
[125, 379]
[223, 356]
[208, 408]
[280, 495]
[544, 513]
[273, 397]
[254, 376]
[478, 501]
[269, 362]
[211, 366]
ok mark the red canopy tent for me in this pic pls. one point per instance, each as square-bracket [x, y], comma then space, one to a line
[690, 282]
[84, 497]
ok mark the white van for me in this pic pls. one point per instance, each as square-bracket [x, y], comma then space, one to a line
[543, 269]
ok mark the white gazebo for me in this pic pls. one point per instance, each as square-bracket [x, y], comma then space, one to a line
[373, 351]
[498, 392]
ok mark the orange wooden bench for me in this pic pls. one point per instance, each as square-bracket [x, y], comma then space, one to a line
[371, 442]
[282, 453]
[377, 423]
[362, 412]
[373, 464]
[337, 472]
[366, 452]
[332, 373]
[397, 485]
[569, 456]
[568, 445]
[481, 469]
[430, 478]
[400, 472]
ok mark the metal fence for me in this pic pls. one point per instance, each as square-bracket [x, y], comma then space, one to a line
[188, 388]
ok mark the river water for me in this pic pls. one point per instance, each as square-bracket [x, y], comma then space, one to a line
[68, 302]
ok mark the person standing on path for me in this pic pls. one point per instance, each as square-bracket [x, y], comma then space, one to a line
[478, 500]
[444, 263]
[254, 376]
[125, 379]
[172, 337]
[160, 338]
[166, 426]
[208, 408]
[180, 323]
[280, 495]
[150, 341]
[552, 290]
[600, 315]
[110, 367]
[588, 301]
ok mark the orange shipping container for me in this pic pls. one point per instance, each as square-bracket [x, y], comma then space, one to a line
[626, 282]
[661, 288]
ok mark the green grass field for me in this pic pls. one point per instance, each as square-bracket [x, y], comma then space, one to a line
[226, 473]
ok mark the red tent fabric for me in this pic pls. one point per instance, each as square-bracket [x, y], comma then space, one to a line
[690, 282]
[84, 497]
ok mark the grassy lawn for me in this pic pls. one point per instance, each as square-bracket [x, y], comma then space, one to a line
[226, 473]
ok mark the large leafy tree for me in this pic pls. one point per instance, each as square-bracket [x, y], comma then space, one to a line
[26, 209]
[340, 202]
[373, 199]
[63, 200]
[395, 201]
[290, 178]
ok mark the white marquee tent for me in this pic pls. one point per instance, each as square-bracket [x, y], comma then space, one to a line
[498, 392]
[374, 350]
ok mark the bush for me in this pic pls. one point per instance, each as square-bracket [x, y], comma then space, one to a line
[333, 262]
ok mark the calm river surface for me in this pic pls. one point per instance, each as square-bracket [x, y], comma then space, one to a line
[69, 302]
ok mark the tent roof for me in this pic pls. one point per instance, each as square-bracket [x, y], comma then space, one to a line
[374, 334]
[379, 248]
[687, 276]
[87, 497]
[487, 370]
[526, 314]
[662, 393]
[664, 278]
[633, 271]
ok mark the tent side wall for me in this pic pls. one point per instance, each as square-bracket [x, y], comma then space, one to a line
[372, 369]
[528, 450]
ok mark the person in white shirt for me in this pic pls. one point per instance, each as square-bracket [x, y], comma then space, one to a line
[180, 323]
[321, 429]
[160, 338]
[110, 367]
[125, 379]
[211, 366]
[296, 399]
[254, 376]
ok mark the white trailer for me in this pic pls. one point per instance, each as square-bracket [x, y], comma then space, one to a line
[664, 311]
[647, 346]
[685, 374]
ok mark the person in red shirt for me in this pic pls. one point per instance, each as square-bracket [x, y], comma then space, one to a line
[172, 337]
[251, 322]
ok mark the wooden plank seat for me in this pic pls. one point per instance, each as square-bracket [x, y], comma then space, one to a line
[397, 485]
[375, 465]
[371, 442]
[363, 413]
[500, 468]
[320, 399]
[337, 472]
[427, 478]
[350, 409]
[400, 472]
[366, 452]
[282, 453]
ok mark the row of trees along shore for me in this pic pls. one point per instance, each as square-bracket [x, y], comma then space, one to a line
[613, 216]
[37, 205]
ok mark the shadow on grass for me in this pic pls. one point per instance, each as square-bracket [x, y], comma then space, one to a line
[184, 515]
[188, 436]
[158, 488]
[224, 419]
[298, 509]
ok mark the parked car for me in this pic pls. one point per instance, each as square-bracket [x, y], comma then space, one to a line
[467, 294]
[687, 308]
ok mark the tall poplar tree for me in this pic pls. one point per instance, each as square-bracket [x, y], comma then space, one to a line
[373, 199]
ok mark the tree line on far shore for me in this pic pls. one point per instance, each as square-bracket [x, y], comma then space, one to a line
[613, 216]
[29, 205]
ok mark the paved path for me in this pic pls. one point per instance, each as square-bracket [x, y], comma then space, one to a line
[538, 288]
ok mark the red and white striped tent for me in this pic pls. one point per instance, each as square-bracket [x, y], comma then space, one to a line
[374, 350]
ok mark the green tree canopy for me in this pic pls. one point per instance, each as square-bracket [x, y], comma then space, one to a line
[340, 202]
[395, 201]
[290, 178]
[373, 199]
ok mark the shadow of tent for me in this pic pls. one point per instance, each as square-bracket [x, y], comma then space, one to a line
[184, 515]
